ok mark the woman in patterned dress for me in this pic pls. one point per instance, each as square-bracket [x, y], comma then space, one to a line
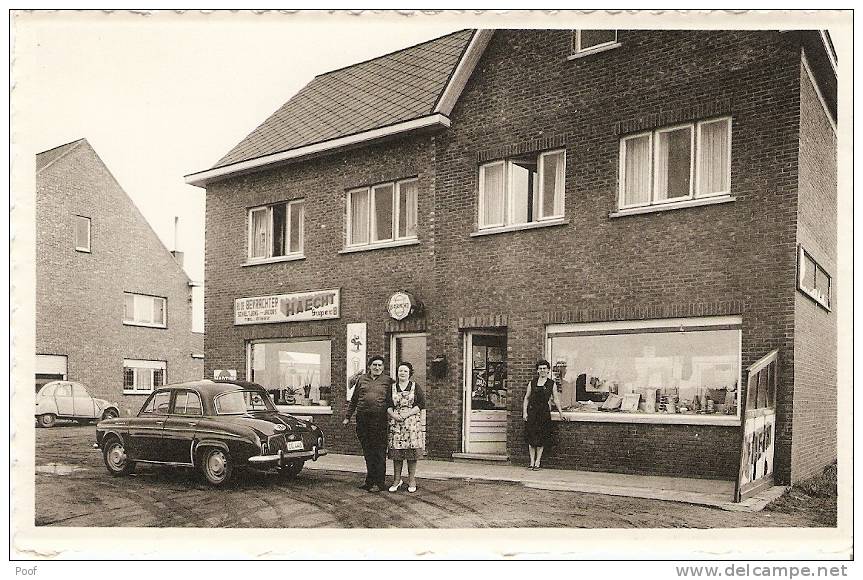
[537, 414]
[405, 402]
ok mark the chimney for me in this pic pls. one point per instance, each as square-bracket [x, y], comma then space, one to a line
[178, 255]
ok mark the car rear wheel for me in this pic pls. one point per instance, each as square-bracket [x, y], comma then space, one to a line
[292, 469]
[115, 457]
[47, 420]
[110, 414]
[216, 466]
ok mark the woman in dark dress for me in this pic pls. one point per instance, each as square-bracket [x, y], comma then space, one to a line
[537, 414]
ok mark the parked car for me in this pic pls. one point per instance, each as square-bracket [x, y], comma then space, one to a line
[70, 400]
[213, 426]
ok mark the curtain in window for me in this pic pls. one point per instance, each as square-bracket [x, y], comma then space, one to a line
[492, 183]
[383, 216]
[128, 307]
[297, 211]
[713, 158]
[359, 217]
[408, 209]
[280, 217]
[144, 379]
[158, 311]
[552, 184]
[673, 163]
[636, 180]
[143, 309]
[259, 234]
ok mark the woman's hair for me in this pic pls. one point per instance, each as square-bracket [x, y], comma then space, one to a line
[542, 363]
[375, 357]
[406, 364]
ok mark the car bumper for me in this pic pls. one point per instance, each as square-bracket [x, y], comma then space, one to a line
[285, 457]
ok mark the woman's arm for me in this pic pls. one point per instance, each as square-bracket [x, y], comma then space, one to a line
[524, 404]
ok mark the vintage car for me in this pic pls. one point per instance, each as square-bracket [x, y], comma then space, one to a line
[213, 426]
[70, 400]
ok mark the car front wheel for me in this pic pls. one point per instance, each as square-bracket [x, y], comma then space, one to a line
[292, 469]
[110, 414]
[47, 420]
[216, 466]
[115, 457]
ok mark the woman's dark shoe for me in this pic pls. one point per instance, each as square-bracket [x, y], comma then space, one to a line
[375, 488]
[365, 486]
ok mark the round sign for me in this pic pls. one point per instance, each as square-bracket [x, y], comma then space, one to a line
[400, 305]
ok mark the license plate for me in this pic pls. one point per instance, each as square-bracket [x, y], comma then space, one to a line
[295, 445]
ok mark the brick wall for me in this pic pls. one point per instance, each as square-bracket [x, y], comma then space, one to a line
[79, 296]
[815, 335]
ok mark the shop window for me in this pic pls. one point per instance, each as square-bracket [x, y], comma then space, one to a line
[295, 372]
[144, 310]
[142, 376]
[522, 190]
[82, 234]
[276, 231]
[812, 279]
[587, 41]
[383, 213]
[683, 366]
[676, 164]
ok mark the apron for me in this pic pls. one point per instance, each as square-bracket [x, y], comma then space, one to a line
[405, 434]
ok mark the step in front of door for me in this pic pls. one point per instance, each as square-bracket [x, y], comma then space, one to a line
[480, 457]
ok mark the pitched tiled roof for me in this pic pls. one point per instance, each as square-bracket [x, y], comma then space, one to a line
[394, 88]
[45, 158]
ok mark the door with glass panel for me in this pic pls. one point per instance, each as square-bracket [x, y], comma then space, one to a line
[411, 347]
[485, 393]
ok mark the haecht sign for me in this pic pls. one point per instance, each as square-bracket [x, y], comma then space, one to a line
[297, 307]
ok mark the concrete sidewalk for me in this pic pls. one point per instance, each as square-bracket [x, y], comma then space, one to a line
[706, 492]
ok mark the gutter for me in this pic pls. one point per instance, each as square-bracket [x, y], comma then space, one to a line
[202, 178]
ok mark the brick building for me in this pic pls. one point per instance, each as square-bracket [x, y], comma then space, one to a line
[654, 212]
[113, 305]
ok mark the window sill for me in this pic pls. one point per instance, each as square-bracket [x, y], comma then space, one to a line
[596, 50]
[380, 245]
[305, 409]
[519, 227]
[274, 260]
[83, 250]
[652, 418]
[144, 324]
[672, 206]
[142, 393]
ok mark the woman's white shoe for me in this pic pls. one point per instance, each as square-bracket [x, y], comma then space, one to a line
[395, 487]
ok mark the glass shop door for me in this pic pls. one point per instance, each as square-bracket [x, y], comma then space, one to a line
[485, 393]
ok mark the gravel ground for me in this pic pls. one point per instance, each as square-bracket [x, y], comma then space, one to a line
[74, 489]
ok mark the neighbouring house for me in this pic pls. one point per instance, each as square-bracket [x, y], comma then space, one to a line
[654, 212]
[113, 305]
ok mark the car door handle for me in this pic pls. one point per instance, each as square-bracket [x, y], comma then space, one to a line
[160, 422]
[192, 423]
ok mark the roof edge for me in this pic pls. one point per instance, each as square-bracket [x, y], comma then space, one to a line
[463, 71]
[74, 145]
[201, 178]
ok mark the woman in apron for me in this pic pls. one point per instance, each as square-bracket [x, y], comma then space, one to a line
[406, 443]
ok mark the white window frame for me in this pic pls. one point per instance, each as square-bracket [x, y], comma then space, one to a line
[268, 242]
[695, 170]
[137, 322]
[86, 248]
[577, 48]
[372, 219]
[508, 199]
[141, 366]
[813, 292]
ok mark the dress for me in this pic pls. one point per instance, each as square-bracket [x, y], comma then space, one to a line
[537, 429]
[406, 437]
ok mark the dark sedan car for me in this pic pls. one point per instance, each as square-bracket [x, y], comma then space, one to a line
[214, 426]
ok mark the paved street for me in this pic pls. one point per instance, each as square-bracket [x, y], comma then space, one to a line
[73, 489]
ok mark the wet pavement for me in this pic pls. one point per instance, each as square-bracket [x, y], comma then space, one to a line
[74, 489]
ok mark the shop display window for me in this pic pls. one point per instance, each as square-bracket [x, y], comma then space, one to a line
[293, 372]
[684, 366]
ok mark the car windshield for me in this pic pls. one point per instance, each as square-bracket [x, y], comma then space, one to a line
[241, 402]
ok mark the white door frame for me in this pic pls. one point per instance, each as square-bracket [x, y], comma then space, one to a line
[467, 375]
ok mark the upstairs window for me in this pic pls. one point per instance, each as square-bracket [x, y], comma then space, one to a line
[276, 231]
[143, 310]
[592, 40]
[382, 213]
[812, 279]
[82, 233]
[675, 164]
[522, 190]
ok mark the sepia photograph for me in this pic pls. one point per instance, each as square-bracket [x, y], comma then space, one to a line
[490, 285]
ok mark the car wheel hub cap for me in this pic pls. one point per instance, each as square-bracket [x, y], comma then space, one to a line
[117, 456]
[216, 464]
